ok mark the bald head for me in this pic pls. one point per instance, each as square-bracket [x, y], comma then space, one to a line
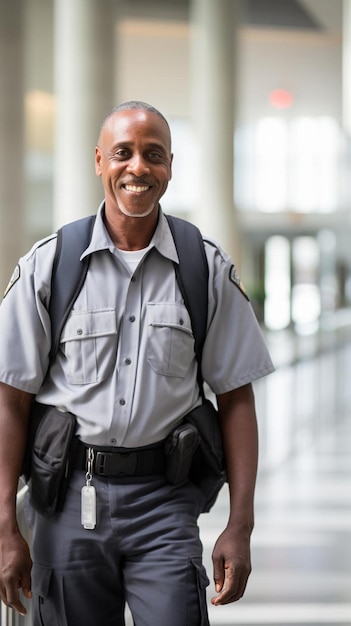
[136, 105]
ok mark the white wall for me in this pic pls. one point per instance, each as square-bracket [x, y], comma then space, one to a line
[307, 64]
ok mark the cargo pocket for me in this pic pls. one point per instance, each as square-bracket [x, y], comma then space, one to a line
[170, 348]
[44, 609]
[197, 614]
[89, 343]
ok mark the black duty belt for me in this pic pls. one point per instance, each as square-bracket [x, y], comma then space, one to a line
[145, 461]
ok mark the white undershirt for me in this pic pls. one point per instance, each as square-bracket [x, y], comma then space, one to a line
[133, 257]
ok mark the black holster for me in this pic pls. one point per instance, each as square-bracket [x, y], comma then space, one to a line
[180, 447]
[50, 449]
[208, 464]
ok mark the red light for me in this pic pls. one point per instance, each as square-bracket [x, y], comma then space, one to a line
[280, 98]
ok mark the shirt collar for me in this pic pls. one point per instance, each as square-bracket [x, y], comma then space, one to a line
[100, 239]
[162, 239]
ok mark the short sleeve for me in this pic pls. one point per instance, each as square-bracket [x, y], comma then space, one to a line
[235, 352]
[25, 335]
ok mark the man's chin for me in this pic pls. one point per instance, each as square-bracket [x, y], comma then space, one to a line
[136, 213]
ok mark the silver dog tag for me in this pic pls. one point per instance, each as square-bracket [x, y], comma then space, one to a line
[88, 510]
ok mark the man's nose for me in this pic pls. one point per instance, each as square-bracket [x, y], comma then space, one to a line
[138, 165]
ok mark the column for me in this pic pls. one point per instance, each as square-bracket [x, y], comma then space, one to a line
[213, 98]
[12, 178]
[84, 88]
[346, 66]
[11, 139]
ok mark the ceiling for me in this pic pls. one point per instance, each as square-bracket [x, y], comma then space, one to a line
[317, 15]
[325, 15]
[328, 13]
[279, 13]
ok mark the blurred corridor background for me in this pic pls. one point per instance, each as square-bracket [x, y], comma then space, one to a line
[258, 96]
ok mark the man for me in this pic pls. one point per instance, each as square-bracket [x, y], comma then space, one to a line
[126, 369]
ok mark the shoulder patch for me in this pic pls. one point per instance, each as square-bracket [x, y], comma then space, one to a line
[14, 278]
[234, 278]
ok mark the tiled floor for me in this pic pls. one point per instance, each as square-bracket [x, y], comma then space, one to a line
[301, 547]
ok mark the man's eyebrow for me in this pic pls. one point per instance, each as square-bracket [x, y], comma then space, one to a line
[118, 144]
[158, 146]
[127, 144]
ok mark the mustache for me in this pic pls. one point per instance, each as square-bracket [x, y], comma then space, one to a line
[137, 181]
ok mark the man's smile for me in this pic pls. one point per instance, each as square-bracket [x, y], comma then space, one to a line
[136, 188]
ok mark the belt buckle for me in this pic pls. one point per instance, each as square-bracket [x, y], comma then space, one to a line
[116, 464]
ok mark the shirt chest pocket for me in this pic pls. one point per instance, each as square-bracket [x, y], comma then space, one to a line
[89, 343]
[170, 347]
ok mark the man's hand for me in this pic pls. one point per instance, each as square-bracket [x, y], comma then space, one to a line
[231, 567]
[231, 554]
[15, 567]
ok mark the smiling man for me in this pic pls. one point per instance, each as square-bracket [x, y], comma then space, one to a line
[126, 370]
[134, 159]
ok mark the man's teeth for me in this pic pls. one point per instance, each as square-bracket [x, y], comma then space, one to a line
[137, 188]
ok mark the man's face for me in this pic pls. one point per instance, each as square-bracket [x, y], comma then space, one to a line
[134, 160]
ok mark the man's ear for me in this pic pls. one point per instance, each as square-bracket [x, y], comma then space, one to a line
[98, 156]
[170, 167]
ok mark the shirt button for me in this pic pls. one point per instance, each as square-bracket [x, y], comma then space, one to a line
[127, 361]
[122, 402]
[113, 441]
[132, 318]
[79, 331]
[181, 321]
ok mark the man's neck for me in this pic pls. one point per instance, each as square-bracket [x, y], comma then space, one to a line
[130, 233]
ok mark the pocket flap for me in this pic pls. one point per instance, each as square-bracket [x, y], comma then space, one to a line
[86, 324]
[54, 434]
[41, 578]
[170, 314]
[202, 577]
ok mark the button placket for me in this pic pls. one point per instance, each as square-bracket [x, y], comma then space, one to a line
[128, 351]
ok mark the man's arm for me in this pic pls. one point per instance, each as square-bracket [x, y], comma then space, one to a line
[15, 561]
[231, 554]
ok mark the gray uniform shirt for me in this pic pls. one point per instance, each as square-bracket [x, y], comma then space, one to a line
[126, 365]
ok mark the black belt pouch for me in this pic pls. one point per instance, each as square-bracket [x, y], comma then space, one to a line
[208, 465]
[51, 447]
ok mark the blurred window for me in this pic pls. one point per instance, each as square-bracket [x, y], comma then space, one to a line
[305, 297]
[286, 164]
[277, 283]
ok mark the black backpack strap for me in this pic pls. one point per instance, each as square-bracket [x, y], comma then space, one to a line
[192, 277]
[68, 274]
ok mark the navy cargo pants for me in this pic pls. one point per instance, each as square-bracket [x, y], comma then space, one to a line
[145, 550]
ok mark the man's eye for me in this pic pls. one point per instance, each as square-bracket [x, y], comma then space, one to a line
[120, 154]
[155, 156]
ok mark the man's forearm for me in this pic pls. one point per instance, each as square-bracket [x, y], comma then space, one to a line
[240, 440]
[231, 554]
[15, 560]
[14, 418]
